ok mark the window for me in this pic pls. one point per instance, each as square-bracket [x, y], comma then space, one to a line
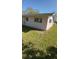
[50, 20]
[26, 19]
[39, 20]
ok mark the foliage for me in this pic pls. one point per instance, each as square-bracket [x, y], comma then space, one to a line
[31, 11]
[33, 53]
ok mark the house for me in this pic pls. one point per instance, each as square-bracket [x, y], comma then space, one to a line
[55, 17]
[43, 21]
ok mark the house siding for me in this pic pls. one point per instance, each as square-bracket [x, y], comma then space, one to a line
[34, 24]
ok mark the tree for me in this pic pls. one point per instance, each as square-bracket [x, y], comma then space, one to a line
[31, 11]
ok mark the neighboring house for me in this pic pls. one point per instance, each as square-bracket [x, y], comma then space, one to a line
[55, 17]
[43, 21]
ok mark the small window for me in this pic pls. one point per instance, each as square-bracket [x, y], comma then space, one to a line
[39, 20]
[50, 20]
[26, 19]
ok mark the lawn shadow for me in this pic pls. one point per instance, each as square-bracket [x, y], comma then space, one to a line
[27, 28]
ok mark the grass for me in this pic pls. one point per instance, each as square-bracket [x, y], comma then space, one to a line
[40, 39]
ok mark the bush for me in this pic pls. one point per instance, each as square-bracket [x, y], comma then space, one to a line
[32, 53]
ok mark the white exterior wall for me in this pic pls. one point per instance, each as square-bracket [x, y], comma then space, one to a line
[33, 24]
[49, 25]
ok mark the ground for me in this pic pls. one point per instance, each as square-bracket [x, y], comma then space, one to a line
[40, 39]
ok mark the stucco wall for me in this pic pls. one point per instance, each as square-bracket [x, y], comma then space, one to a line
[49, 25]
[33, 24]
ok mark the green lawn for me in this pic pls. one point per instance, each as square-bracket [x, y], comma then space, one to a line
[40, 39]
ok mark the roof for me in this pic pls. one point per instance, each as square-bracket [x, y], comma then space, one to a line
[40, 14]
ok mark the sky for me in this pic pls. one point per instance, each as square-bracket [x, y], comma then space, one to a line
[44, 6]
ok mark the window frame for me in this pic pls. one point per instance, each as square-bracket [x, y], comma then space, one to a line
[50, 20]
[39, 20]
[27, 19]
